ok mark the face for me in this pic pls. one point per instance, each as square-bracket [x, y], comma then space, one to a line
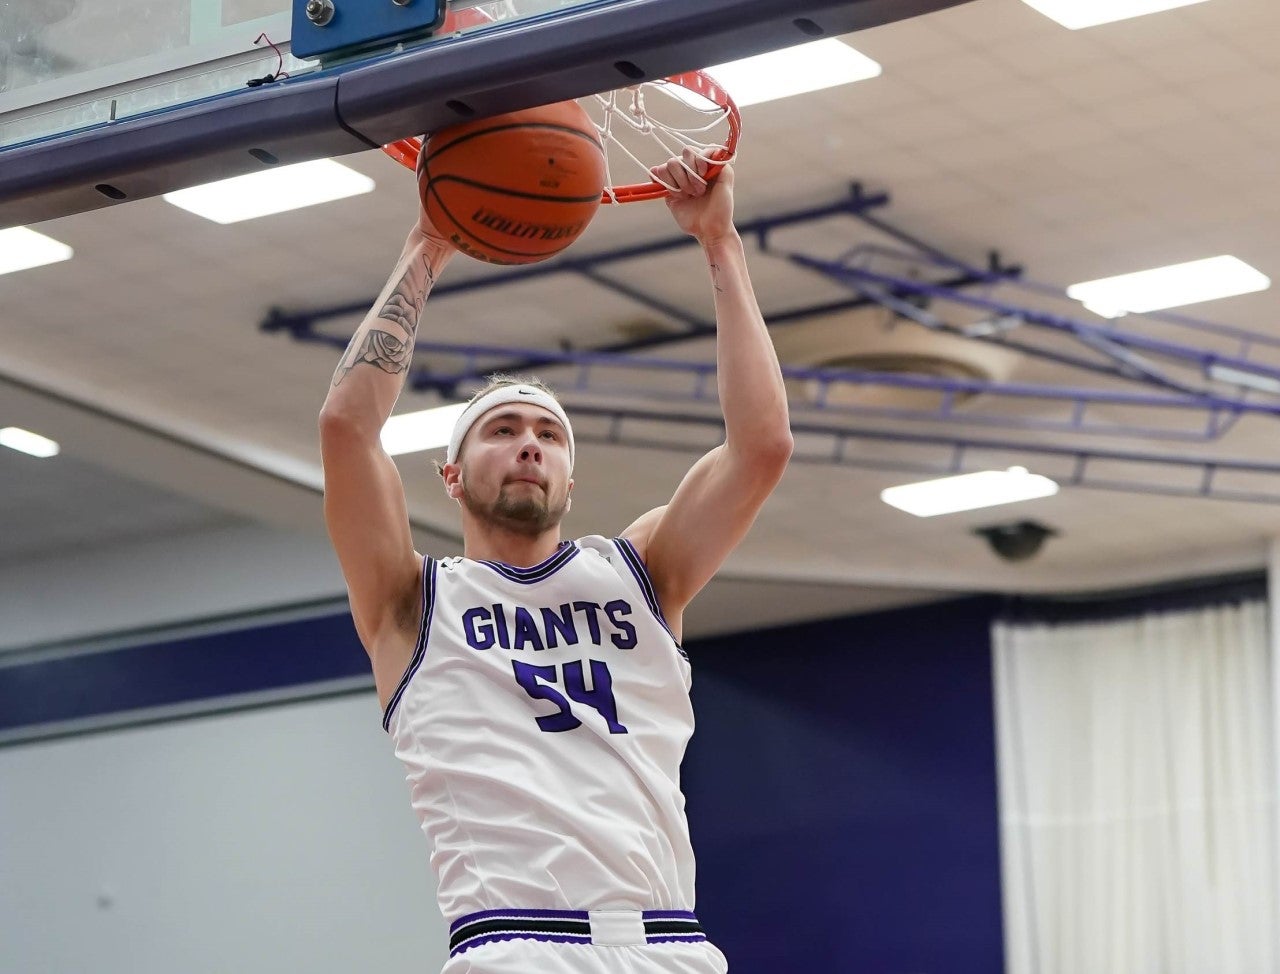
[513, 469]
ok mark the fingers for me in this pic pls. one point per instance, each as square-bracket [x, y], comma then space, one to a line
[663, 178]
[675, 177]
[697, 163]
[683, 176]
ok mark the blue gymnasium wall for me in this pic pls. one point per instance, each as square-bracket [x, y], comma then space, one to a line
[841, 791]
[841, 784]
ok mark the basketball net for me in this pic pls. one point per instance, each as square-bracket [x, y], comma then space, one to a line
[694, 112]
[628, 107]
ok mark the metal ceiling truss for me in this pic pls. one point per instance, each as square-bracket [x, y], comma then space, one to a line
[930, 276]
[1125, 348]
[1163, 474]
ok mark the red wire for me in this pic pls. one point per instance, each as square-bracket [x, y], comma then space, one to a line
[279, 57]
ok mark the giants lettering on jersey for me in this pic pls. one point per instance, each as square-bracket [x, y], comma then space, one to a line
[518, 627]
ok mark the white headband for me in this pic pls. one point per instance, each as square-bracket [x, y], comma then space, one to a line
[500, 397]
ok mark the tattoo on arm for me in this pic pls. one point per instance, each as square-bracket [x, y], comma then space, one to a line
[715, 278]
[387, 350]
[404, 306]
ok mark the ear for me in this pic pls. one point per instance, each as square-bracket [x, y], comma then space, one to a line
[453, 480]
[568, 497]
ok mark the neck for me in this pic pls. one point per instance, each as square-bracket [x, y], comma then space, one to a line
[491, 542]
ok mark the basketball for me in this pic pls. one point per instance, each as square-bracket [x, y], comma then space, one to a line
[515, 188]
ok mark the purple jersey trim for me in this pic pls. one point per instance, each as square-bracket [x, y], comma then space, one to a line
[527, 576]
[424, 633]
[641, 573]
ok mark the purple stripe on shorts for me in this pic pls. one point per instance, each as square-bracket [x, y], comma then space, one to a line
[493, 926]
[555, 938]
[562, 915]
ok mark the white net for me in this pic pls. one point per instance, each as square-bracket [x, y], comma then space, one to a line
[629, 129]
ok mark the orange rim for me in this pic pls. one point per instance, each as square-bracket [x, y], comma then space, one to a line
[406, 151]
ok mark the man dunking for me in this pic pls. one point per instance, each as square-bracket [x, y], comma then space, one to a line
[535, 688]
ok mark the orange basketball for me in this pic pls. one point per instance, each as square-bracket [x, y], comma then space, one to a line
[515, 188]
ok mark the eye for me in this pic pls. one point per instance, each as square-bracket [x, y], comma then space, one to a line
[551, 434]
[503, 429]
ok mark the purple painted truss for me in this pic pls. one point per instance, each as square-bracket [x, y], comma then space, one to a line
[1119, 354]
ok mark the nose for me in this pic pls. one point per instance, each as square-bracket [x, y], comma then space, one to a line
[530, 450]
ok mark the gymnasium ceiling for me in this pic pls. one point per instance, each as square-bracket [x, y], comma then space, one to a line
[1076, 155]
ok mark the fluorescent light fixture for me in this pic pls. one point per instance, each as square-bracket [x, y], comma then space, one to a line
[793, 71]
[1075, 14]
[24, 441]
[428, 429]
[969, 491]
[22, 248]
[1169, 287]
[272, 191]
[1239, 377]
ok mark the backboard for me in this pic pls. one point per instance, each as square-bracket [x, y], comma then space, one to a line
[111, 100]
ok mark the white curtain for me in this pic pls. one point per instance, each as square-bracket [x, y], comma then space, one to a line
[1138, 795]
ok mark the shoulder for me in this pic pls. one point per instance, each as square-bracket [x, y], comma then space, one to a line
[622, 558]
[620, 552]
[640, 530]
[597, 544]
[450, 564]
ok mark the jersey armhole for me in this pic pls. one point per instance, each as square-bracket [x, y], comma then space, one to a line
[424, 633]
[641, 574]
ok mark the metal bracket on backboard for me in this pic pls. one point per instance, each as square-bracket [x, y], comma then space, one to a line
[325, 28]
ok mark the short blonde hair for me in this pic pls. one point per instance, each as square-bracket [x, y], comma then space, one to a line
[497, 381]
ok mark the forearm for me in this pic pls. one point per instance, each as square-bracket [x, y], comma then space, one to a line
[371, 372]
[752, 395]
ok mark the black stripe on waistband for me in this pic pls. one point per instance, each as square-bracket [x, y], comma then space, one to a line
[672, 926]
[482, 927]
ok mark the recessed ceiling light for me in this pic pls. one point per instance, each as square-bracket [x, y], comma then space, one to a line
[967, 492]
[1076, 14]
[428, 429]
[793, 71]
[1169, 287]
[272, 191]
[24, 441]
[22, 248]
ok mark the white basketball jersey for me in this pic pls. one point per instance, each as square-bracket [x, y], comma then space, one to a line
[542, 721]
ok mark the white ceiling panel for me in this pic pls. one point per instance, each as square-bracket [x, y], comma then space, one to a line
[1078, 154]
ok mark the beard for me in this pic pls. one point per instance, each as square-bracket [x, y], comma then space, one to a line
[521, 510]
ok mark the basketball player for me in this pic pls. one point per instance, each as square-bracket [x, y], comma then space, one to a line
[534, 687]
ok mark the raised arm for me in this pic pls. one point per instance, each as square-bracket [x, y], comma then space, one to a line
[685, 543]
[364, 502]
